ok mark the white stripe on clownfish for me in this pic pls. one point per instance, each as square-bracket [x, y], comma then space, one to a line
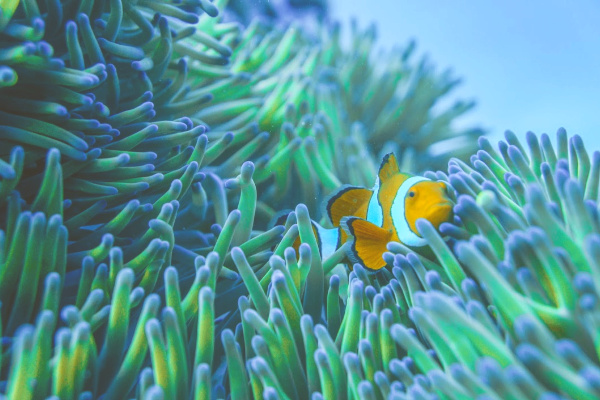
[398, 213]
[330, 240]
[374, 210]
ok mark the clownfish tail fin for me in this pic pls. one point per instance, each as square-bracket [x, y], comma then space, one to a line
[281, 218]
[368, 244]
[316, 228]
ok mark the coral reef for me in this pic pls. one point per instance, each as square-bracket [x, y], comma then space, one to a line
[144, 146]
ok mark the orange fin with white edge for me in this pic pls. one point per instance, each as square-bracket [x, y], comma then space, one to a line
[388, 168]
[347, 202]
[369, 244]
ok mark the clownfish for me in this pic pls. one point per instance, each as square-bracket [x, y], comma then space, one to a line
[388, 212]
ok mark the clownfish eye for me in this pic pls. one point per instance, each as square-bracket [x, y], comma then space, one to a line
[412, 193]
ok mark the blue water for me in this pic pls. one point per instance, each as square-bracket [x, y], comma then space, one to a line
[532, 65]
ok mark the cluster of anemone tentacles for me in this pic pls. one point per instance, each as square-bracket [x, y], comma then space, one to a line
[130, 129]
[508, 308]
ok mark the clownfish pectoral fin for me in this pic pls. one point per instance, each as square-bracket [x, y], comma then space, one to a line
[389, 167]
[346, 202]
[369, 244]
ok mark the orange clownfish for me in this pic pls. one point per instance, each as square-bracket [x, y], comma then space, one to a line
[387, 212]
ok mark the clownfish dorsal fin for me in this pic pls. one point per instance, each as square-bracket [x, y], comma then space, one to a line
[388, 168]
[369, 244]
[347, 201]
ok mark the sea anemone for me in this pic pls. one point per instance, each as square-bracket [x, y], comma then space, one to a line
[506, 309]
[144, 146]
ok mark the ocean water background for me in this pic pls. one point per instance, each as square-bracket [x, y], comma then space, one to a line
[531, 66]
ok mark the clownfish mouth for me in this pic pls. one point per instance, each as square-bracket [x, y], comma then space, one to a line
[440, 213]
[442, 206]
